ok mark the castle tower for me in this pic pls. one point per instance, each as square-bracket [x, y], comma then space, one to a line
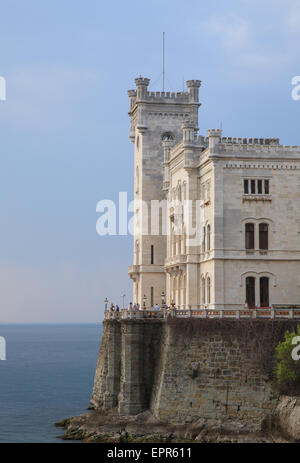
[154, 117]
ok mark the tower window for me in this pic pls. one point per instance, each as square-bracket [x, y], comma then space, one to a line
[267, 189]
[249, 236]
[256, 186]
[259, 187]
[263, 236]
[152, 254]
[250, 291]
[152, 296]
[167, 136]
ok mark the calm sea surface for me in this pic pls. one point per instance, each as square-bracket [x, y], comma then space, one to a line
[48, 376]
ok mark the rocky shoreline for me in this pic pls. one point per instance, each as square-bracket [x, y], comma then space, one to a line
[100, 426]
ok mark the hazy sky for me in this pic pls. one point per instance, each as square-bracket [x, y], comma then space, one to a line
[64, 127]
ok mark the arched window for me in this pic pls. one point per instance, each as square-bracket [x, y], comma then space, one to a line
[250, 291]
[249, 235]
[167, 136]
[208, 290]
[208, 237]
[263, 236]
[203, 239]
[203, 291]
[264, 292]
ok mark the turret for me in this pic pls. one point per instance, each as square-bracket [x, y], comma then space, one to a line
[132, 98]
[188, 133]
[193, 89]
[214, 138]
[141, 85]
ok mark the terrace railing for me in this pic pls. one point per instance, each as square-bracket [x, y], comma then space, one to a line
[277, 312]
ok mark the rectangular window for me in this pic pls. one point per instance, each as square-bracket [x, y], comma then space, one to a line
[253, 187]
[152, 254]
[246, 186]
[250, 291]
[263, 236]
[267, 190]
[249, 238]
[259, 187]
[264, 292]
[152, 297]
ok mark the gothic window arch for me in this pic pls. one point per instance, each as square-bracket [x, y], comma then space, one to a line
[208, 285]
[249, 235]
[264, 291]
[167, 136]
[263, 236]
[204, 239]
[250, 291]
[208, 237]
[203, 290]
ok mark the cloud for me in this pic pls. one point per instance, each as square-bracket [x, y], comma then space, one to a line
[250, 45]
[292, 18]
[232, 29]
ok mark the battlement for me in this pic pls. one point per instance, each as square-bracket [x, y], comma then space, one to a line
[141, 94]
[168, 95]
[216, 141]
[257, 144]
[250, 141]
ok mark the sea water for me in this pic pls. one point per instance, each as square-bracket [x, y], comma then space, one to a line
[47, 376]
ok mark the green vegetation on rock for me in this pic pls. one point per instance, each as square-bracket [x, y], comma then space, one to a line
[288, 369]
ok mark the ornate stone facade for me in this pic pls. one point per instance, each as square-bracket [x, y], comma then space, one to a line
[245, 195]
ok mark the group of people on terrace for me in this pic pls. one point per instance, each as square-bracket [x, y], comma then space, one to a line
[134, 307]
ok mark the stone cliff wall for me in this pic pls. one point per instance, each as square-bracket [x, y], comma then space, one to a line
[183, 370]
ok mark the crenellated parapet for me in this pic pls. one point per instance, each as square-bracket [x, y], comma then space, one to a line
[254, 146]
[251, 141]
[141, 94]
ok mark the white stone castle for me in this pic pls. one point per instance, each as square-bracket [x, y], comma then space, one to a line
[248, 191]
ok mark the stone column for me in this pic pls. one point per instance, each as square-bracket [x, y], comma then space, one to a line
[112, 390]
[132, 398]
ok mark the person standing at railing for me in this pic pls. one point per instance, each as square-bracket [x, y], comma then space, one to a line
[112, 307]
[117, 308]
[134, 308]
[156, 307]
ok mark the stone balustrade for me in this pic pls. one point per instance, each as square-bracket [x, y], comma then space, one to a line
[274, 312]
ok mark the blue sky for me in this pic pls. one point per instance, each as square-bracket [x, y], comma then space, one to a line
[64, 126]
